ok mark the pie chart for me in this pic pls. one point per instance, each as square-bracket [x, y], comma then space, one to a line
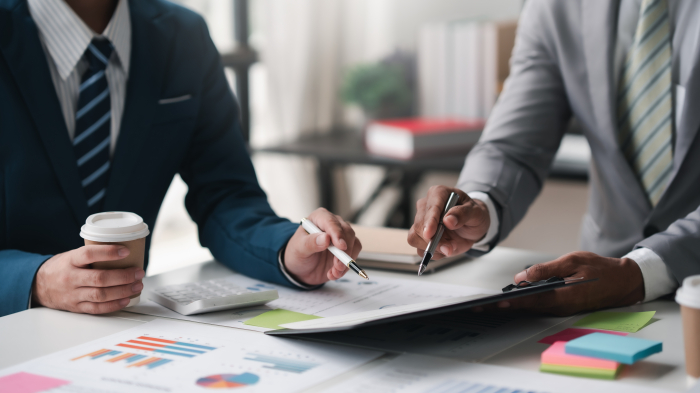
[228, 381]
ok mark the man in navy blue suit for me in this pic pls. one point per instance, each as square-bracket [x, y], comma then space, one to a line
[102, 102]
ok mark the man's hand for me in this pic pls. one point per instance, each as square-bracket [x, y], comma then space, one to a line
[306, 256]
[465, 224]
[66, 282]
[620, 283]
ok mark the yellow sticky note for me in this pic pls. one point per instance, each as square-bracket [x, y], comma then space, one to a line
[630, 322]
[273, 319]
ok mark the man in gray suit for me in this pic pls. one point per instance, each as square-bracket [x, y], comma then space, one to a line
[629, 70]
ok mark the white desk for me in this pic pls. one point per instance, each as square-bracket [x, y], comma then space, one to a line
[37, 332]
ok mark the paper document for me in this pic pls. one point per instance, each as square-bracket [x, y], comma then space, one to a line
[349, 295]
[424, 374]
[171, 356]
[373, 315]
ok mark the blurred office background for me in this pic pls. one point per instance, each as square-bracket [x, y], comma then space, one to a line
[301, 53]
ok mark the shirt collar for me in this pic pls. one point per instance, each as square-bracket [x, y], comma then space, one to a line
[67, 37]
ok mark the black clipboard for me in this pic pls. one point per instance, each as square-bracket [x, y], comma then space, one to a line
[516, 293]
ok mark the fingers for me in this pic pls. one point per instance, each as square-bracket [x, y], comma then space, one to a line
[86, 255]
[102, 308]
[313, 243]
[106, 278]
[435, 205]
[455, 245]
[470, 219]
[562, 267]
[341, 232]
[102, 295]
[337, 270]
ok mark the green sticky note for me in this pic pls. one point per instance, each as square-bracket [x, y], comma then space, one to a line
[587, 372]
[273, 319]
[630, 322]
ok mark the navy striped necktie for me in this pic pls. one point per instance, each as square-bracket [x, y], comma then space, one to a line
[93, 124]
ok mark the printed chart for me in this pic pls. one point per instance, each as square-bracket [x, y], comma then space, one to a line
[173, 356]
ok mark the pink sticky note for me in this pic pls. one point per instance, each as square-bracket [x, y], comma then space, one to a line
[28, 383]
[570, 334]
[556, 354]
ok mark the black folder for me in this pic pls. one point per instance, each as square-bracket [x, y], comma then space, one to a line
[515, 293]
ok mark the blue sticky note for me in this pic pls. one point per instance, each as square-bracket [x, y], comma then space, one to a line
[621, 349]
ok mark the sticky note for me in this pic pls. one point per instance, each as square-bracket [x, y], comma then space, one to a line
[570, 334]
[29, 383]
[580, 371]
[273, 319]
[556, 354]
[630, 322]
[607, 346]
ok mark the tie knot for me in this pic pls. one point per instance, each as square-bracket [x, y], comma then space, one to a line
[98, 53]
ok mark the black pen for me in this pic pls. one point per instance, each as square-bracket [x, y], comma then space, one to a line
[430, 250]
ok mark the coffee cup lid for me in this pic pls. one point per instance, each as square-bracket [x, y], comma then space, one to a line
[689, 293]
[111, 227]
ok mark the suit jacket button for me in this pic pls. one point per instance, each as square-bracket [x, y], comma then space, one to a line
[650, 230]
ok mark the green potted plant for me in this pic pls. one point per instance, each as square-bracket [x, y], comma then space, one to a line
[382, 90]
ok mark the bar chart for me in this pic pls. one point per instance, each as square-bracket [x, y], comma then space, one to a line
[169, 347]
[156, 346]
[282, 364]
[129, 359]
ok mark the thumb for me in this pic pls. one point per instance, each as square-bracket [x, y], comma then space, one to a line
[314, 243]
[541, 271]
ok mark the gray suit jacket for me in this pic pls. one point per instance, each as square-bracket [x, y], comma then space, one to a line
[562, 66]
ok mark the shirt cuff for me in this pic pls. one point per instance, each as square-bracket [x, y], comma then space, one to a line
[658, 279]
[484, 244]
[289, 276]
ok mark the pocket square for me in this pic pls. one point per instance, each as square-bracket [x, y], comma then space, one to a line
[173, 100]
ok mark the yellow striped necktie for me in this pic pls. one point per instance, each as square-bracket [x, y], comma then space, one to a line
[644, 107]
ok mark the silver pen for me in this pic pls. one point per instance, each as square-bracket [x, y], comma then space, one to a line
[430, 250]
[310, 228]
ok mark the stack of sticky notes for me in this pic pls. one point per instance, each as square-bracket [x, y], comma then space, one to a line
[596, 355]
[587, 351]
[556, 360]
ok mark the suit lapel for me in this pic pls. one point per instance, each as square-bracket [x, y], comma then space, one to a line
[28, 64]
[142, 93]
[599, 19]
[690, 116]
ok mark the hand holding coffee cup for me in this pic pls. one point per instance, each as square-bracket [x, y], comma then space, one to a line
[101, 277]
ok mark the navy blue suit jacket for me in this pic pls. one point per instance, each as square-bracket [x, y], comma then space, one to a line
[42, 205]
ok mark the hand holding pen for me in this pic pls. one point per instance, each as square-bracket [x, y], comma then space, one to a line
[307, 258]
[465, 224]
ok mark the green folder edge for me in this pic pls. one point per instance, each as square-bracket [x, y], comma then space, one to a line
[587, 372]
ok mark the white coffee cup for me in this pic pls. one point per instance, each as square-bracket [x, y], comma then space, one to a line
[688, 296]
[123, 228]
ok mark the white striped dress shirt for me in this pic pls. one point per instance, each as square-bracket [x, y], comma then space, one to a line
[65, 37]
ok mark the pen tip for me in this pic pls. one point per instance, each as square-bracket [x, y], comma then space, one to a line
[363, 275]
[421, 269]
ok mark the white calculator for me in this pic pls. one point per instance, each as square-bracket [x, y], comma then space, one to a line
[213, 295]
